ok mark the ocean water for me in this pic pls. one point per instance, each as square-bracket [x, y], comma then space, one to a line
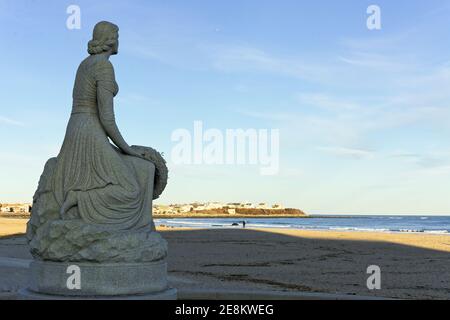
[407, 224]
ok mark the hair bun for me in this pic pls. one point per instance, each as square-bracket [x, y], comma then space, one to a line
[94, 47]
[93, 43]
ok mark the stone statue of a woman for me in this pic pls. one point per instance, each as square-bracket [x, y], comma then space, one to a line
[92, 211]
[94, 200]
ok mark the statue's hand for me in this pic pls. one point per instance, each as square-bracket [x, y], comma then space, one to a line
[138, 152]
[131, 151]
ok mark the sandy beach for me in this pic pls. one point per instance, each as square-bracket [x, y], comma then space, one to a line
[11, 226]
[412, 265]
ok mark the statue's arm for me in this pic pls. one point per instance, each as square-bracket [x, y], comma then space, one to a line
[105, 100]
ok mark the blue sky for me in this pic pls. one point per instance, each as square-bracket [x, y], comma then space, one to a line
[363, 115]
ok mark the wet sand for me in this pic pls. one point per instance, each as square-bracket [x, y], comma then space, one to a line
[412, 265]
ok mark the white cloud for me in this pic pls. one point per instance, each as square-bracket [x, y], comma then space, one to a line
[348, 152]
[274, 116]
[433, 171]
[429, 160]
[320, 100]
[230, 58]
[372, 60]
[12, 122]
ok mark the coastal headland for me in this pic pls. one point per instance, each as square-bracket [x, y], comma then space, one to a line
[191, 210]
[226, 210]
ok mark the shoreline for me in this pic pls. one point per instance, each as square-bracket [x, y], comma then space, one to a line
[19, 223]
[17, 227]
[280, 229]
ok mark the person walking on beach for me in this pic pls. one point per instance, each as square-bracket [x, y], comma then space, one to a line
[243, 224]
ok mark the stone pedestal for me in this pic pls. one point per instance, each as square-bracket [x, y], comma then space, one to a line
[81, 280]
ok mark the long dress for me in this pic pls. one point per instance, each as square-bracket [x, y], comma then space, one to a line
[114, 189]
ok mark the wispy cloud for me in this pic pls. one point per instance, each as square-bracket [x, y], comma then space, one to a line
[231, 58]
[12, 122]
[425, 160]
[323, 101]
[373, 61]
[274, 116]
[348, 152]
[434, 171]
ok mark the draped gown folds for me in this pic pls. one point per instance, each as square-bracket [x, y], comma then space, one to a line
[115, 189]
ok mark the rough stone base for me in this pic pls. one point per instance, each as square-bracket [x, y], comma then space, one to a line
[98, 280]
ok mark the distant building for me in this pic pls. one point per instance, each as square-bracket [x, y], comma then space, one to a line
[262, 205]
[15, 208]
[214, 205]
[186, 208]
[233, 205]
[198, 207]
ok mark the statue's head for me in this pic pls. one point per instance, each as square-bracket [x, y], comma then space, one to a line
[105, 37]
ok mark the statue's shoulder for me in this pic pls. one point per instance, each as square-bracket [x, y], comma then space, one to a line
[101, 62]
[103, 67]
[97, 63]
[98, 67]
